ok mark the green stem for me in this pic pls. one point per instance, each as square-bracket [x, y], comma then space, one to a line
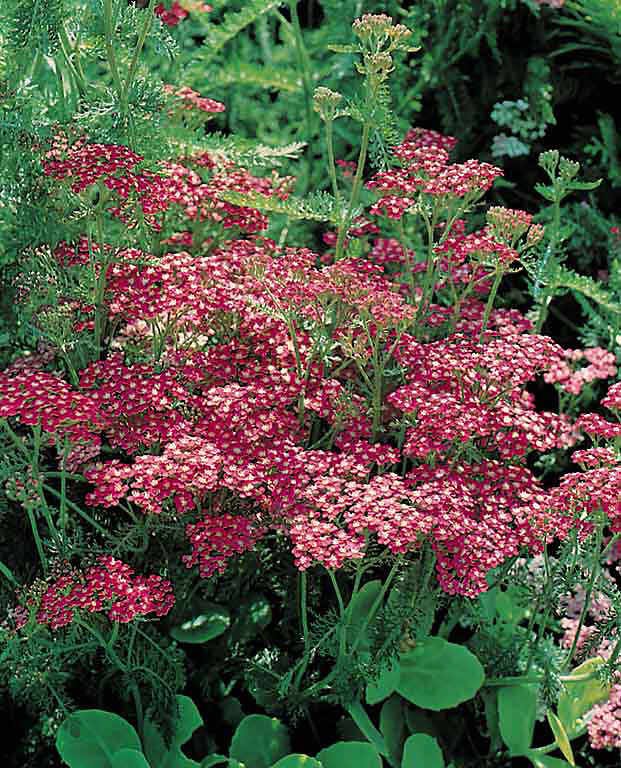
[80, 512]
[363, 721]
[490, 302]
[137, 51]
[355, 192]
[589, 591]
[332, 168]
[304, 65]
[377, 602]
[535, 679]
[107, 645]
[109, 32]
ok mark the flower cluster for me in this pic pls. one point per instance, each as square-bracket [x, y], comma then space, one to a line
[601, 365]
[109, 586]
[186, 99]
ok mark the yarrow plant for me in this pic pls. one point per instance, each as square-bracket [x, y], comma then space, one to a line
[356, 430]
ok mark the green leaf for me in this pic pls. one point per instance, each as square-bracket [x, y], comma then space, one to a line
[546, 192]
[297, 761]
[360, 608]
[439, 675]
[580, 696]
[89, 738]
[212, 622]
[392, 726]
[561, 737]
[422, 751]
[509, 607]
[385, 685]
[129, 758]
[350, 754]
[544, 761]
[517, 705]
[172, 757]
[259, 741]
[576, 186]
[255, 613]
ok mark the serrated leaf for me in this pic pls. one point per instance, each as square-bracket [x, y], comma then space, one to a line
[580, 696]
[439, 675]
[545, 192]
[385, 685]
[422, 751]
[172, 756]
[517, 708]
[561, 737]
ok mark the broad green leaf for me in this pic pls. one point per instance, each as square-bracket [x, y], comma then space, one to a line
[492, 719]
[129, 758]
[259, 741]
[439, 675]
[517, 706]
[212, 622]
[297, 761]
[561, 737]
[385, 685]
[418, 721]
[544, 761]
[581, 696]
[255, 613]
[422, 751]
[89, 738]
[509, 607]
[350, 754]
[392, 726]
[361, 605]
[172, 757]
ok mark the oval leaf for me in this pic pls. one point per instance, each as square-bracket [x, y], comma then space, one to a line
[297, 761]
[89, 738]
[212, 622]
[517, 709]
[580, 696]
[129, 758]
[259, 741]
[422, 751]
[350, 754]
[545, 761]
[561, 737]
[361, 605]
[385, 685]
[439, 675]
